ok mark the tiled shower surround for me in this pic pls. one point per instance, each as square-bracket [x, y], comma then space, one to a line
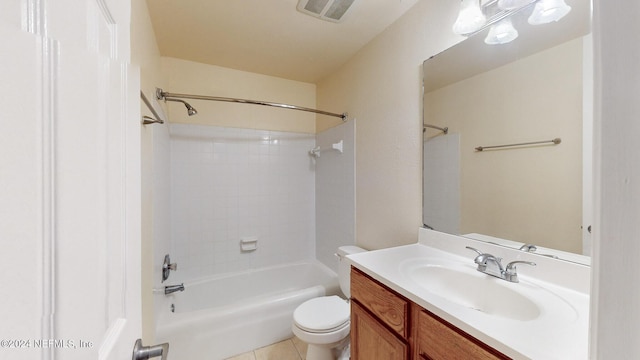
[228, 184]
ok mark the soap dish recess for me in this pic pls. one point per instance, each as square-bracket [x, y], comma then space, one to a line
[248, 244]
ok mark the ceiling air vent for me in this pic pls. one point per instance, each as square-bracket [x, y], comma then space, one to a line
[330, 10]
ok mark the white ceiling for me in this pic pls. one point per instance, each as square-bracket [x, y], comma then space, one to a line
[268, 36]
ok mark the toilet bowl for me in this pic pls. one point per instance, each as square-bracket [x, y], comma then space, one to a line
[324, 322]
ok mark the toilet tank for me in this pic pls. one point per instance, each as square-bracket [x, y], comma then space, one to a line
[344, 269]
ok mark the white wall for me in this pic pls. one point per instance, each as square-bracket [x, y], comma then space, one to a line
[615, 315]
[381, 87]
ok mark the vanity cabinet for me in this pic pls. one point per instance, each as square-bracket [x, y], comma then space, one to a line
[387, 326]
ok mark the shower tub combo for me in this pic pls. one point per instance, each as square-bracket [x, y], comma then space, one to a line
[222, 316]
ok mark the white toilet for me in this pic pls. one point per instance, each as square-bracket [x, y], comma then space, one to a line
[324, 322]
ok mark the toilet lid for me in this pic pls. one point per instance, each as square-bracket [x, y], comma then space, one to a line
[322, 314]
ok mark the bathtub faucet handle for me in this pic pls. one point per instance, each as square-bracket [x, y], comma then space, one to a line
[167, 266]
[147, 352]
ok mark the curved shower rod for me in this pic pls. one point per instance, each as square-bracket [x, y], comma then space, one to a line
[162, 95]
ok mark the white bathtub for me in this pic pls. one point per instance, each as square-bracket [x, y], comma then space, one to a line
[220, 317]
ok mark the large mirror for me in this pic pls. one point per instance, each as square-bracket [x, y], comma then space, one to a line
[535, 89]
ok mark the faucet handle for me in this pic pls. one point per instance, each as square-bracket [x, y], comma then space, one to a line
[167, 266]
[512, 265]
[510, 273]
[474, 249]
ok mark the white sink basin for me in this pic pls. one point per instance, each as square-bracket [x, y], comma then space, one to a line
[476, 291]
[463, 285]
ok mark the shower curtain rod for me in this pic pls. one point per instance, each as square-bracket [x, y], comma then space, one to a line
[146, 120]
[161, 95]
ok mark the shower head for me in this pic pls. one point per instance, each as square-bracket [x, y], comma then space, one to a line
[190, 109]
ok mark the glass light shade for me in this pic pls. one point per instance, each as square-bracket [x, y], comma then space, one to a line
[513, 4]
[470, 18]
[547, 11]
[501, 33]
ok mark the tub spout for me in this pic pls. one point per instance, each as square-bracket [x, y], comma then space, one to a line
[173, 288]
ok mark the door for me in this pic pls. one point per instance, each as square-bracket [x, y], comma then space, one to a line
[69, 180]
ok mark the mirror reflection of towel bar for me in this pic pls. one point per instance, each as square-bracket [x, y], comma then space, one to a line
[555, 141]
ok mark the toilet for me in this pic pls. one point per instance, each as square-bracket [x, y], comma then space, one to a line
[324, 322]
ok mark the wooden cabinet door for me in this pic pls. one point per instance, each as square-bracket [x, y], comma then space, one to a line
[437, 340]
[386, 305]
[372, 341]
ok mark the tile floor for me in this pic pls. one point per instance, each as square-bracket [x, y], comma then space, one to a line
[291, 349]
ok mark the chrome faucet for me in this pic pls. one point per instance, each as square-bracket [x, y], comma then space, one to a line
[532, 248]
[492, 265]
[489, 264]
[173, 288]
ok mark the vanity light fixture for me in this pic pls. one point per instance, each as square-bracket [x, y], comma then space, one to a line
[477, 15]
[512, 4]
[501, 33]
[547, 11]
[470, 19]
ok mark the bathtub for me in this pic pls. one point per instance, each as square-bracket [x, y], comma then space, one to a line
[222, 316]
